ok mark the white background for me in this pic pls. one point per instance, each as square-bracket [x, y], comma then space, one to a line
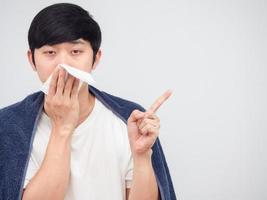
[211, 53]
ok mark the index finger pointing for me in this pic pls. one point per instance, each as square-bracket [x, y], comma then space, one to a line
[155, 106]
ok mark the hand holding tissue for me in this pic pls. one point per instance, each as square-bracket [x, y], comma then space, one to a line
[81, 75]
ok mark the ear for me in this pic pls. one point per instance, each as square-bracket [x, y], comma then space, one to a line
[97, 59]
[30, 55]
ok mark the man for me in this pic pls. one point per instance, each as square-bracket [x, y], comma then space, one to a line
[78, 143]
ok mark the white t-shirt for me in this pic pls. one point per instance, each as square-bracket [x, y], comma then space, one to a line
[101, 159]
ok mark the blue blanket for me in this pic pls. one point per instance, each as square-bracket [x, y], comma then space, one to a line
[17, 129]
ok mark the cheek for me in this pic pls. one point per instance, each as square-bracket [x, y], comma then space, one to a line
[85, 63]
[44, 73]
[44, 69]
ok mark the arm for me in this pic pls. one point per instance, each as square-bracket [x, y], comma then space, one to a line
[144, 184]
[51, 180]
[143, 130]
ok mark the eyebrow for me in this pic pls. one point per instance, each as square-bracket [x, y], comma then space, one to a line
[76, 42]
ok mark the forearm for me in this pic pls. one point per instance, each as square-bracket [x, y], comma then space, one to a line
[144, 184]
[51, 180]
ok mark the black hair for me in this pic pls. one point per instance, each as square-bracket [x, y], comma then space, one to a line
[63, 22]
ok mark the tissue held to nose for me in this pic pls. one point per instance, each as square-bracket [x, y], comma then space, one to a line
[81, 75]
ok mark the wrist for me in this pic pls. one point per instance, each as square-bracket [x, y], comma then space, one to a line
[62, 131]
[143, 157]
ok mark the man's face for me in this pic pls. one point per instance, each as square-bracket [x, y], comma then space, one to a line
[78, 54]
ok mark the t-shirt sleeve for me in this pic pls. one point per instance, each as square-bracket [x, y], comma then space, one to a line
[129, 173]
[127, 159]
[31, 170]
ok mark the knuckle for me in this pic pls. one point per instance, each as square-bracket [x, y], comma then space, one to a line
[146, 121]
[135, 111]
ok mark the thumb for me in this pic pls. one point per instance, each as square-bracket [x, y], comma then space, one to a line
[135, 115]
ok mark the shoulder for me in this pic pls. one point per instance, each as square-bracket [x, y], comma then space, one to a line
[121, 106]
[19, 107]
[123, 102]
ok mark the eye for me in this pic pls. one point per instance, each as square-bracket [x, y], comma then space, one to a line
[50, 53]
[76, 52]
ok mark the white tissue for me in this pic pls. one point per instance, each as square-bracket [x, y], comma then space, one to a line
[83, 76]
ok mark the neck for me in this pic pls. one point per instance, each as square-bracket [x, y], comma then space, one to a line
[87, 102]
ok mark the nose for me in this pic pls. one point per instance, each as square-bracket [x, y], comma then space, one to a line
[62, 58]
